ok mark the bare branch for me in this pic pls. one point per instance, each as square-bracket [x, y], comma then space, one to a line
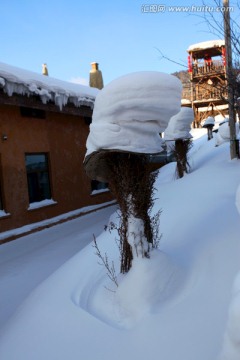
[171, 60]
[111, 273]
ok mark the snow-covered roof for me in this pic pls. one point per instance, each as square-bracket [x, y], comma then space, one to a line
[24, 82]
[206, 45]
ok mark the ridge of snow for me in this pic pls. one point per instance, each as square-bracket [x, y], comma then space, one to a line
[51, 221]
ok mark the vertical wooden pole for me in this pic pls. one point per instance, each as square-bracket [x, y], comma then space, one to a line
[229, 75]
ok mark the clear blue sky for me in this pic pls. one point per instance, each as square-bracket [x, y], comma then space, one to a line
[69, 34]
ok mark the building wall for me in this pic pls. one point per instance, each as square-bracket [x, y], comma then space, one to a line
[63, 137]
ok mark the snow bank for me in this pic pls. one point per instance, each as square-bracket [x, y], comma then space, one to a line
[223, 133]
[23, 82]
[148, 284]
[238, 199]
[49, 222]
[220, 119]
[180, 125]
[231, 347]
[131, 111]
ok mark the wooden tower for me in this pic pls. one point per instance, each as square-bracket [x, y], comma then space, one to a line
[206, 66]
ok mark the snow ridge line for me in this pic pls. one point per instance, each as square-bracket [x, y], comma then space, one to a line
[31, 228]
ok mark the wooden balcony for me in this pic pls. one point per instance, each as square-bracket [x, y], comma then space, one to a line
[212, 94]
[207, 69]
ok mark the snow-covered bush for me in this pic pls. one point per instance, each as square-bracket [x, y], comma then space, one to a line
[178, 138]
[128, 117]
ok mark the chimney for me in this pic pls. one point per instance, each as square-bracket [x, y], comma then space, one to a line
[95, 78]
[44, 69]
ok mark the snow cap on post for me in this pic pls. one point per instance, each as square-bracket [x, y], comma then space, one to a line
[131, 111]
[180, 125]
[209, 122]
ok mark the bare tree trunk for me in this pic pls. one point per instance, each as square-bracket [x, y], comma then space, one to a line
[182, 148]
[132, 184]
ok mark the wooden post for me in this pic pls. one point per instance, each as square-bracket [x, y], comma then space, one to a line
[229, 75]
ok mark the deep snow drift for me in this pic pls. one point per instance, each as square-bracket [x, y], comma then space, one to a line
[172, 306]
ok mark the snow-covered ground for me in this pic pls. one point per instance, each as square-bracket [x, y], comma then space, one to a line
[29, 260]
[178, 305]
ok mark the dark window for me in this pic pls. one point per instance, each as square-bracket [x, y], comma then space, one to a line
[98, 185]
[38, 177]
[33, 113]
[88, 120]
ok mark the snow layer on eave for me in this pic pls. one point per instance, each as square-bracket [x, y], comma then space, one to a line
[206, 45]
[23, 82]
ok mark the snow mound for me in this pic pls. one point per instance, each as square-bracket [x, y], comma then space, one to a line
[231, 347]
[131, 111]
[150, 284]
[209, 121]
[180, 125]
[238, 199]
[223, 133]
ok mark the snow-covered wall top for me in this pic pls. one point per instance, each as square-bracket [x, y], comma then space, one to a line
[180, 125]
[23, 82]
[206, 45]
[131, 111]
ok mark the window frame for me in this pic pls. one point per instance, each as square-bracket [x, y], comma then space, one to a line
[46, 170]
[99, 187]
[3, 213]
